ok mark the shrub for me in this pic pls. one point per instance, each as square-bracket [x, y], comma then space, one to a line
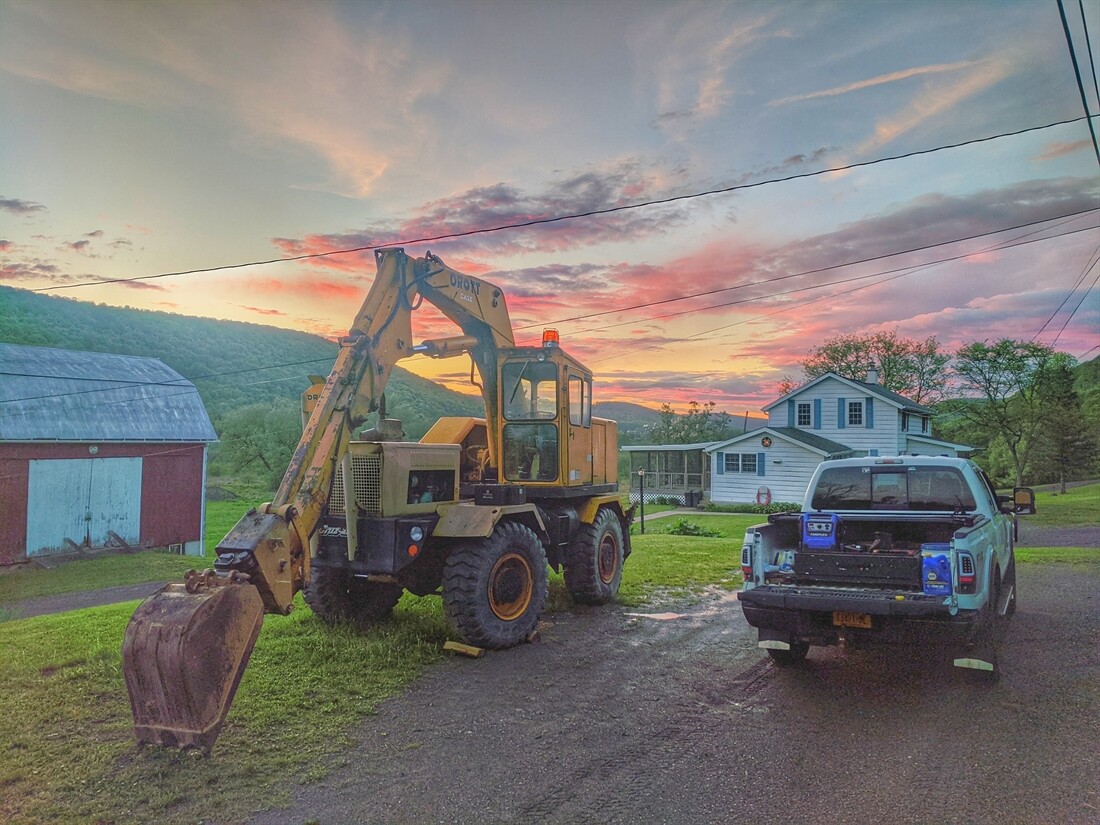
[683, 527]
[763, 509]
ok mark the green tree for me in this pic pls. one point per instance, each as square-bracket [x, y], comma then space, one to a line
[1066, 445]
[700, 423]
[1005, 387]
[913, 368]
[257, 441]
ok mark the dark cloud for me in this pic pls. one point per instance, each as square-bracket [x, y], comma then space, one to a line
[20, 207]
[96, 233]
[33, 269]
[502, 204]
[261, 311]
[143, 285]
[81, 247]
[6, 246]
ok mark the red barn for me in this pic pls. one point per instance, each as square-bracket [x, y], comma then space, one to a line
[98, 450]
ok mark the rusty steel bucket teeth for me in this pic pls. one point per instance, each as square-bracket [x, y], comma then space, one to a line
[183, 655]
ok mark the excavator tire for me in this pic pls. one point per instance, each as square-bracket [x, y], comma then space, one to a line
[494, 589]
[337, 597]
[183, 655]
[594, 560]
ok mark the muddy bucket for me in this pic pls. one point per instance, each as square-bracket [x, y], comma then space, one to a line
[183, 655]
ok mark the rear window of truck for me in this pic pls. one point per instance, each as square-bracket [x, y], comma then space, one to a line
[892, 488]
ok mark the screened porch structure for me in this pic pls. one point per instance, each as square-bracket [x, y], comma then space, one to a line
[672, 471]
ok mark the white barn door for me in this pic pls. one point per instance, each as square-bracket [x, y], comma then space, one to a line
[82, 500]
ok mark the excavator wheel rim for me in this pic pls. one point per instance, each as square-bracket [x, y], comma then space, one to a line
[511, 586]
[608, 558]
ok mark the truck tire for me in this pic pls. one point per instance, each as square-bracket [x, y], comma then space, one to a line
[786, 658]
[494, 589]
[594, 560]
[337, 597]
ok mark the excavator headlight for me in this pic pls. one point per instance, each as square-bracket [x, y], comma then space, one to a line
[416, 533]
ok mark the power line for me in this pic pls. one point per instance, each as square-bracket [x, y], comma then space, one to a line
[905, 270]
[175, 382]
[1084, 273]
[900, 273]
[1088, 43]
[1077, 74]
[573, 216]
[808, 271]
[1070, 318]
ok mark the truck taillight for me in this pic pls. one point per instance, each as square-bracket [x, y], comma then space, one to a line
[967, 578]
[746, 562]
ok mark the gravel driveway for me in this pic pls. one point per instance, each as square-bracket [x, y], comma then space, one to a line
[677, 717]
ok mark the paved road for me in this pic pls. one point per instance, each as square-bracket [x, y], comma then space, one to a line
[620, 718]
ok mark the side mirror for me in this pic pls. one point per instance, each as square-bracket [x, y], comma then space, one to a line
[1024, 500]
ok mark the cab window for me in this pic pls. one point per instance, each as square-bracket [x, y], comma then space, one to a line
[580, 401]
[530, 390]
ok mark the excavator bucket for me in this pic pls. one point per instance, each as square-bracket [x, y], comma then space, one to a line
[183, 655]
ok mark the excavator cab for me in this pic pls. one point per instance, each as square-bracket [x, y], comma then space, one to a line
[548, 434]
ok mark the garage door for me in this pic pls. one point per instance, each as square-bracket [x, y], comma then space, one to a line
[83, 501]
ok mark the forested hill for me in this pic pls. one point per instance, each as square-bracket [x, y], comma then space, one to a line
[233, 364]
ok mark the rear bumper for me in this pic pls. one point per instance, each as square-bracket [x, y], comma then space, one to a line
[807, 613]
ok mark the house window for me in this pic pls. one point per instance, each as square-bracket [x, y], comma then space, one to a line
[804, 416]
[740, 463]
[924, 424]
[855, 413]
[905, 422]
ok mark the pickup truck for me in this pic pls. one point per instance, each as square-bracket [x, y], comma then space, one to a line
[910, 550]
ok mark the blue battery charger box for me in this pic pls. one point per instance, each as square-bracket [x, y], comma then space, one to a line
[820, 531]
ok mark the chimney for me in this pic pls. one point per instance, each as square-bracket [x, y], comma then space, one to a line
[872, 374]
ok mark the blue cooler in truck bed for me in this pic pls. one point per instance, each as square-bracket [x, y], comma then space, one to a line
[820, 531]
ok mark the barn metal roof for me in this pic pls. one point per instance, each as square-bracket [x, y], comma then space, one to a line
[63, 395]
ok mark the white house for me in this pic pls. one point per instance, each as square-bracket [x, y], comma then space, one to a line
[829, 417]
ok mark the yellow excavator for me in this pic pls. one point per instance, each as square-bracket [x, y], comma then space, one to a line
[475, 511]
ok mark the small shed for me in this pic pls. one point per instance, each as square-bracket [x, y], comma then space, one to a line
[680, 472]
[98, 450]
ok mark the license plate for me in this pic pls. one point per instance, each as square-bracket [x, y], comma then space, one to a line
[842, 618]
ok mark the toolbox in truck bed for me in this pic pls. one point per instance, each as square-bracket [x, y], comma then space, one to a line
[902, 572]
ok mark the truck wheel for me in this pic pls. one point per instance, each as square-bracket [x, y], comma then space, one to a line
[494, 589]
[594, 560]
[337, 597]
[794, 656]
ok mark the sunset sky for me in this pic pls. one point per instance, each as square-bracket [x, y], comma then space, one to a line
[138, 138]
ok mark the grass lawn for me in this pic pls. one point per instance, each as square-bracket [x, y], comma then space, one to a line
[117, 569]
[1079, 505]
[66, 747]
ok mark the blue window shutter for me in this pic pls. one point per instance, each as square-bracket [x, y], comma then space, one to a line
[817, 413]
[869, 416]
[841, 413]
[872, 452]
[760, 463]
[791, 420]
[721, 463]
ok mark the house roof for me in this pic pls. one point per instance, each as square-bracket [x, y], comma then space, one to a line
[962, 448]
[672, 448]
[63, 395]
[824, 446]
[877, 390]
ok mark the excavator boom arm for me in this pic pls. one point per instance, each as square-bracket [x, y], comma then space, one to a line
[187, 646]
